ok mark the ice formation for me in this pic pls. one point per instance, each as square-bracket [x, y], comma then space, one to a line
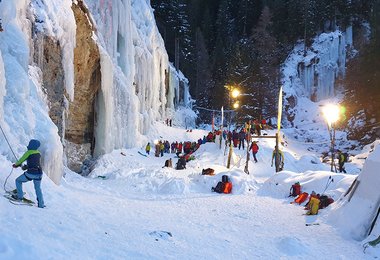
[135, 87]
[135, 67]
[313, 73]
[24, 115]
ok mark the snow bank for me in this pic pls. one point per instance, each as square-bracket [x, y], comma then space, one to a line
[279, 185]
[354, 217]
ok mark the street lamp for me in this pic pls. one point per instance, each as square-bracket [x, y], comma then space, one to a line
[234, 93]
[331, 113]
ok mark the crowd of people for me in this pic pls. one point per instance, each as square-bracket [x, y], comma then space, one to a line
[183, 150]
[238, 138]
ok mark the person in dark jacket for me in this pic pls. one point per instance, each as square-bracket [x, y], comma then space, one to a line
[341, 160]
[33, 171]
[242, 136]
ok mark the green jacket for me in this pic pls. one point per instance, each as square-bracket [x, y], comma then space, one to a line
[25, 156]
[282, 158]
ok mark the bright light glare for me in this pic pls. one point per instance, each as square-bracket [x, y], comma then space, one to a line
[155, 141]
[235, 93]
[236, 105]
[331, 113]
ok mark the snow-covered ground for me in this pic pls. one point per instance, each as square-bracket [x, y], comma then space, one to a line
[143, 211]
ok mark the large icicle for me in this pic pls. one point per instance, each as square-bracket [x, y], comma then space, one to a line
[134, 71]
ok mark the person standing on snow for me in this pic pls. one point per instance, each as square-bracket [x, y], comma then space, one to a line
[280, 156]
[255, 148]
[33, 171]
[341, 160]
[147, 148]
[242, 136]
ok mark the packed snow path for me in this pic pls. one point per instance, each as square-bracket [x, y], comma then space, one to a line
[144, 211]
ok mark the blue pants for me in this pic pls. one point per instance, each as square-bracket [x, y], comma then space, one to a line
[254, 156]
[36, 178]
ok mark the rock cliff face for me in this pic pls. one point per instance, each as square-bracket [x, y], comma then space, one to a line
[74, 118]
[48, 56]
[79, 125]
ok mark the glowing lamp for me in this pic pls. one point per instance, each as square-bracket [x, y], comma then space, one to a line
[331, 113]
[235, 93]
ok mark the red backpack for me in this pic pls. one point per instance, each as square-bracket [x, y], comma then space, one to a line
[295, 190]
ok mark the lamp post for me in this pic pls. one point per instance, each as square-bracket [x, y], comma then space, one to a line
[331, 113]
[234, 93]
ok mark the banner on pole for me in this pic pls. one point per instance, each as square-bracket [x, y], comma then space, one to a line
[222, 116]
[212, 123]
[279, 111]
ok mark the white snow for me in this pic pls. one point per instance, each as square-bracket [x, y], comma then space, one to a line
[364, 203]
[144, 211]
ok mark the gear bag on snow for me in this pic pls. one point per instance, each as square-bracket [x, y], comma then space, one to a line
[225, 179]
[325, 201]
[301, 198]
[224, 186]
[219, 187]
[295, 190]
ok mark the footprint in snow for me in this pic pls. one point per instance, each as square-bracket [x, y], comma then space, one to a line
[164, 235]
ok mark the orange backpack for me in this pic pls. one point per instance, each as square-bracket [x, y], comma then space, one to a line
[301, 198]
[227, 187]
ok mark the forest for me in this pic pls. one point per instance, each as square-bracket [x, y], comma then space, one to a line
[218, 43]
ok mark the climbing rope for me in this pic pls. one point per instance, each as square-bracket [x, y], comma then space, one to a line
[10, 147]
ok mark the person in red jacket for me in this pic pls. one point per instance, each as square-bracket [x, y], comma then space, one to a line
[255, 148]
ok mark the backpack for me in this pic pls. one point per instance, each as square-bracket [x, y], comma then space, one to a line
[225, 179]
[345, 157]
[325, 201]
[301, 198]
[295, 190]
[208, 171]
[227, 187]
[219, 187]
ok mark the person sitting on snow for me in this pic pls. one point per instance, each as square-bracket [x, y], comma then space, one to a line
[33, 172]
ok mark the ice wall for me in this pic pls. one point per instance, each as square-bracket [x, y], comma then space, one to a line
[313, 73]
[134, 67]
[24, 114]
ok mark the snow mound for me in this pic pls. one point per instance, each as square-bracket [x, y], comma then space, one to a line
[292, 246]
[354, 217]
[279, 185]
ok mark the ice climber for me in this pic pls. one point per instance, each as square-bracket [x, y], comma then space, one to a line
[33, 171]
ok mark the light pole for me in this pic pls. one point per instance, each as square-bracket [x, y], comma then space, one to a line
[234, 93]
[331, 113]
